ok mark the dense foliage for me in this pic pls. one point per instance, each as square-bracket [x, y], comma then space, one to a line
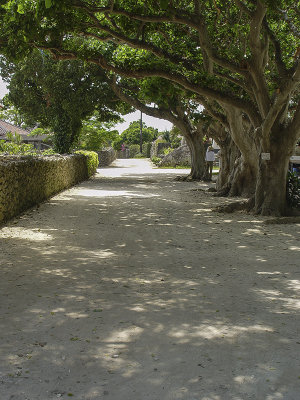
[293, 190]
[92, 160]
[60, 95]
[131, 135]
[240, 59]
[95, 135]
[15, 146]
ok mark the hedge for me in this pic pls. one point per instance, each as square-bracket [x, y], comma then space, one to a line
[92, 160]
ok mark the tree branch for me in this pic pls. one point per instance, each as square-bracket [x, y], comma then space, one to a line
[177, 16]
[280, 101]
[295, 125]
[243, 7]
[292, 26]
[140, 44]
[258, 49]
[213, 112]
[281, 68]
[233, 80]
[98, 37]
[238, 103]
[153, 112]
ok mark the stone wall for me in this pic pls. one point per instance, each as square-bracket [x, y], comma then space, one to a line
[157, 148]
[180, 156]
[123, 154]
[133, 151]
[26, 180]
[106, 156]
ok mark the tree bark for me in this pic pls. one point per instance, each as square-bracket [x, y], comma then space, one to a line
[270, 193]
[196, 146]
[229, 154]
[237, 175]
[243, 178]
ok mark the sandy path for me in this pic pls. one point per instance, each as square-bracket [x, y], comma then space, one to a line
[128, 287]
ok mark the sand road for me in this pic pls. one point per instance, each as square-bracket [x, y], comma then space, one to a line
[129, 287]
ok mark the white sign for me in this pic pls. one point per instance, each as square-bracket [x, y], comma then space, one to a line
[266, 156]
[295, 159]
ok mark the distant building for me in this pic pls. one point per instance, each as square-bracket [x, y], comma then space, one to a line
[37, 141]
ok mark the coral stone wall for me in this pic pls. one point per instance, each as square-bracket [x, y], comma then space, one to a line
[157, 148]
[179, 156]
[106, 157]
[26, 181]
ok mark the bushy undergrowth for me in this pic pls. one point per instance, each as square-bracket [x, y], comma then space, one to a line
[92, 162]
[12, 148]
[293, 190]
[156, 160]
[139, 155]
[134, 150]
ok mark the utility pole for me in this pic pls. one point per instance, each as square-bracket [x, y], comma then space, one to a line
[141, 133]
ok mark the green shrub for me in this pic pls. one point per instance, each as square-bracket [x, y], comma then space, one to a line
[48, 152]
[159, 146]
[139, 155]
[92, 160]
[168, 150]
[146, 149]
[15, 148]
[156, 160]
[117, 143]
[293, 190]
[134, 149]
[160, 141]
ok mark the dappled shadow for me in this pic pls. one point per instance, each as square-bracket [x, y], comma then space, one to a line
[131, 288]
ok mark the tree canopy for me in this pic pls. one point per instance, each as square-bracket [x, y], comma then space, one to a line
[239, 57]
[95, 135]
[60, 95]
[132, 134]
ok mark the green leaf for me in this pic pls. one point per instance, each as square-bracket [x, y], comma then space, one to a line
[21, 9]
[164, 4]
[48, 3]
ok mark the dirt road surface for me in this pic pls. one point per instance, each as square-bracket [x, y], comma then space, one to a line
[129, 287]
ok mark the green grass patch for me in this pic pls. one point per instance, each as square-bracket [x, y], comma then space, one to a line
[177, 167]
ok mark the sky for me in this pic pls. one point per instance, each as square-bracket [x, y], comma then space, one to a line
[160, 124]
[3, 89]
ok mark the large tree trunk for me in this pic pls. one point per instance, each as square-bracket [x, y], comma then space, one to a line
[194, 138]
[243, 178]
[228, 154]
[196, 146]
[270, 193]
[242, 181]
[238, 169]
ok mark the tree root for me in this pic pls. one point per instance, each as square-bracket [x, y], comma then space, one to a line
[292, 217]
[223, 192]
[188, 178]
[244, 205]
[283, 220]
